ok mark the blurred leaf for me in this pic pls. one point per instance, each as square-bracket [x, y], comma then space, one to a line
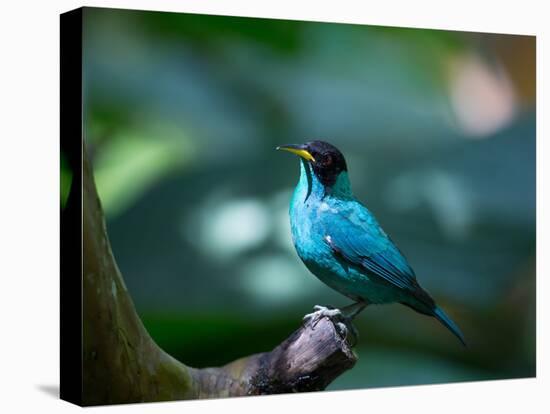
[133, 160]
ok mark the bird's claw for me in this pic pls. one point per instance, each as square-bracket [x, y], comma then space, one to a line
[322, 312]
[342, 323]
[342, 329]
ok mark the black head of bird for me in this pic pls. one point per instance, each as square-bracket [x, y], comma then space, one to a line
[326, 160]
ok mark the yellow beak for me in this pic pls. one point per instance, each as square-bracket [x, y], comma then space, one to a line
[298, 150]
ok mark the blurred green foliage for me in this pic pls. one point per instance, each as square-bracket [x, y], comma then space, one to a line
[146, 160]
[182, 113]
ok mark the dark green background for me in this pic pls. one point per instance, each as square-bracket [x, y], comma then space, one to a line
[182, 114]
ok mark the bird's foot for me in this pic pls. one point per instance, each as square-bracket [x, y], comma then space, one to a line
[322, 312]
[342, 323]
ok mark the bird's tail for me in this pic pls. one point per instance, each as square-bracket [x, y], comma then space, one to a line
[449, 324]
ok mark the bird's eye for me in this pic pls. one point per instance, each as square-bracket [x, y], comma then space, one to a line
[328, 161]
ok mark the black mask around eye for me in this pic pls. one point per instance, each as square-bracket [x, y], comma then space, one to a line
[328, 161]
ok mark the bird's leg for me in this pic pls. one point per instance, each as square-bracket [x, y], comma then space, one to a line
[351, 311]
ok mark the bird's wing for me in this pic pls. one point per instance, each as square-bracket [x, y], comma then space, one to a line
[356, 236]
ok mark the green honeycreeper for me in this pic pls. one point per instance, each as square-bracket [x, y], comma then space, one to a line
[341, 242]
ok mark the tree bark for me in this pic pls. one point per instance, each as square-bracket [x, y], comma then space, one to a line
[122, 363]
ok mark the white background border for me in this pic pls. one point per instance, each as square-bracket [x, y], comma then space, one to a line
[29, 212]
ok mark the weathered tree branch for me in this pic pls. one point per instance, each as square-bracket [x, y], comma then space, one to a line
[123, 364]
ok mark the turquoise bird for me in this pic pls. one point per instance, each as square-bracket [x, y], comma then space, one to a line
[341, 242]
